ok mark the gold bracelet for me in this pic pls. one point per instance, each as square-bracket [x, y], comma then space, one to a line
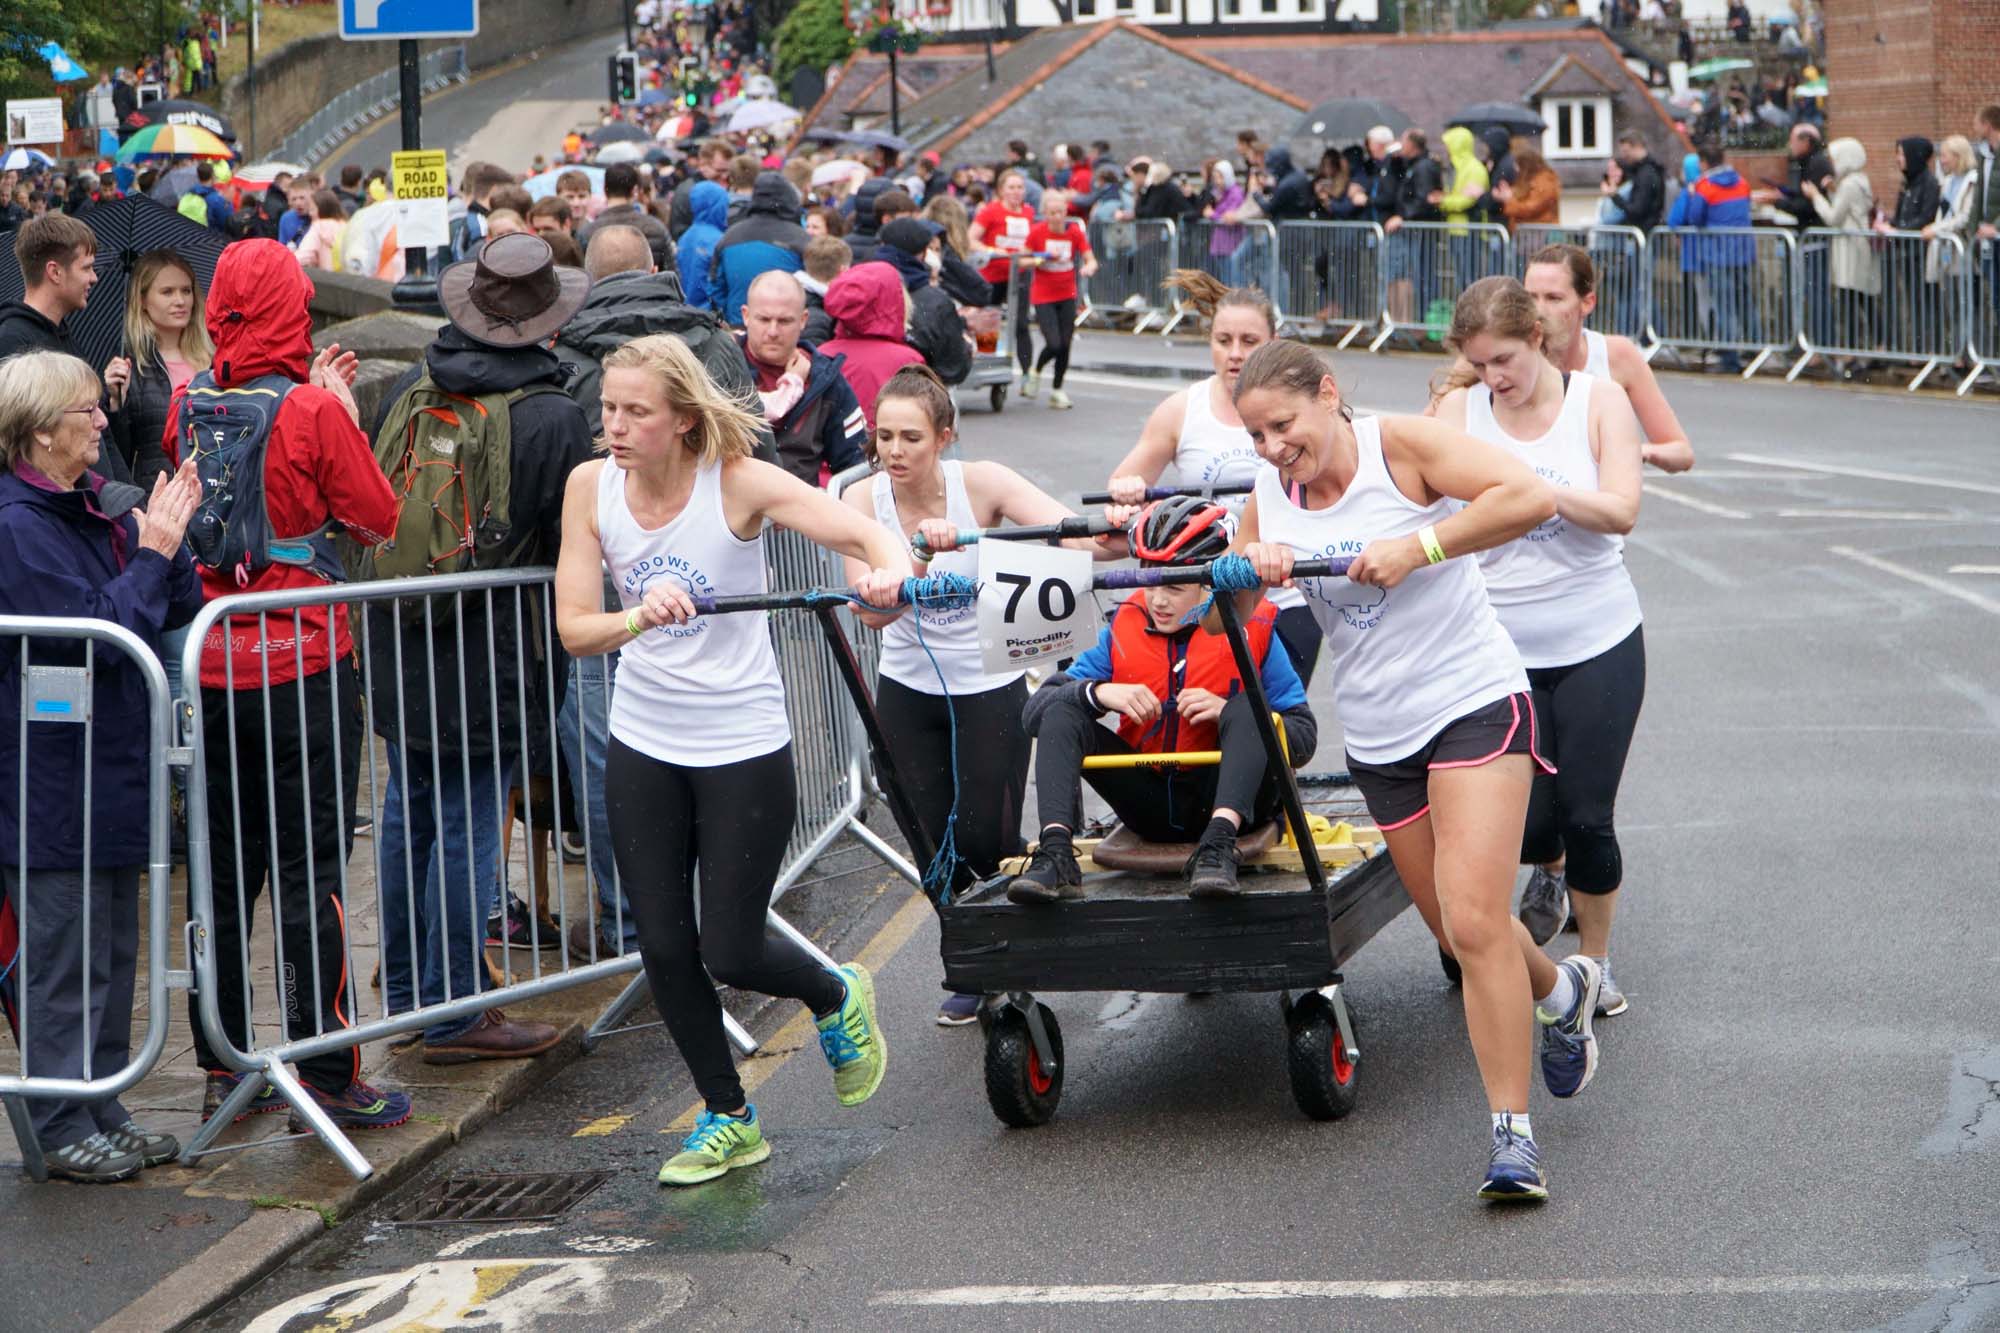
[1427, 537]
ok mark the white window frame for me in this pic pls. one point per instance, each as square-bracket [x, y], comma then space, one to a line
[1559, 113]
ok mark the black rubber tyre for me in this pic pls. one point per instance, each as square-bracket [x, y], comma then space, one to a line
[1020, 1091]
[997, 395]
[1452, 972]
[1323, 1079]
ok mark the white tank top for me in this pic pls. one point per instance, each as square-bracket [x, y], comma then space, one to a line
[1212, 452]
[706, 693]
[1596, 355]
[952, 635]
[1562, 591]
[1405, 661]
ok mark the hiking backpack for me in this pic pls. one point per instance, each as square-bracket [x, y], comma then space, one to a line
[227, 433]
[449, 459]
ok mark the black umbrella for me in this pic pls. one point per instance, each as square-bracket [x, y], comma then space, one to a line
[181, 112]
[1348, 119]
[862, 138]
[125, 229]
[1509, 116]
[618, 131]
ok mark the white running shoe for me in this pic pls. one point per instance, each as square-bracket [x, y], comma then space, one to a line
[1031, 384]
[1544, 905]
[1610, 1000]
[1060, 400]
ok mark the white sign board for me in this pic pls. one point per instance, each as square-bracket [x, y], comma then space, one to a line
[1034, 604]
[419, 181]
[34, 120]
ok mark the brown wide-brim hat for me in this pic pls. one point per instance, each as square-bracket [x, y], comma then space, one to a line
[512, 294]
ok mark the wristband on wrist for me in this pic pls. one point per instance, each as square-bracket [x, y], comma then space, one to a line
[1427, 537]
[1090, 696]
[632, 624]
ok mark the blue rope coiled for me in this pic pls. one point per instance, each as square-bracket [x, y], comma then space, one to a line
[949, 592]
[1227, 573]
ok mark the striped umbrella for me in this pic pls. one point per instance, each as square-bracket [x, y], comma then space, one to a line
[173, 141]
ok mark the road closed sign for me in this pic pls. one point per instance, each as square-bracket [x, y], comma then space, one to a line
[1034, 604]
[419, 180]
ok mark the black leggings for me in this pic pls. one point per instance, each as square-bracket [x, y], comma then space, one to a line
[1057, 321]
[993, 749]
[1301, 635]
[1024, 343]
[1588, 712]
[1162, 804]
[733, 820]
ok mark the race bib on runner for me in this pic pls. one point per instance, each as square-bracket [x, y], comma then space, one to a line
[1034, 604]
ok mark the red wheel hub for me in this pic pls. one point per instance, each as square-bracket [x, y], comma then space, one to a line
[1039, 1081]
[1343, 1068]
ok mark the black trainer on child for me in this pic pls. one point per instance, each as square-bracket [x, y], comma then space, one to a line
[1052, 874]
[1211, 871]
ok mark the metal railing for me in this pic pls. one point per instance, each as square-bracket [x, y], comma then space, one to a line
[1133, 261]
[88, 985]
[1894, 296]
[1426, 264]
[1239, 254]
[1729, 290]
[443, 716]
[367, 101]
[1982, 299]
[1331, 274]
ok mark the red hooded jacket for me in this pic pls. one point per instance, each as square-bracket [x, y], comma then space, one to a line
[318, 466]
[866, 304]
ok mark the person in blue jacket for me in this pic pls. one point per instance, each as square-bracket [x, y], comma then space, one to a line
[767, 238]
[1720, 198]
[709, 203]
[75, 544]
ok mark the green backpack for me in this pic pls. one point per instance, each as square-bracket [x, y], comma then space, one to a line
[449, 458]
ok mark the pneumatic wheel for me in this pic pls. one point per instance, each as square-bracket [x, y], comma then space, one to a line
[1022, 1092]
[1323, 1078]
[1452, 972]
[997, 395]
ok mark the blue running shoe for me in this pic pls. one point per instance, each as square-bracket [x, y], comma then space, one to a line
[1514, 1173]
[1569, 1050]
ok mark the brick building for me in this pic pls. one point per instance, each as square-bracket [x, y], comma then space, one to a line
[1902, 67]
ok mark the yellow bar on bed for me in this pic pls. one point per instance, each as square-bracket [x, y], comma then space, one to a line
[1186, 758]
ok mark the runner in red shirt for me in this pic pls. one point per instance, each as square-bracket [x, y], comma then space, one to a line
[1001, 228]
[1060, 243]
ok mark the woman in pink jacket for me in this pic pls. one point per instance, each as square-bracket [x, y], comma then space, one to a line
[866, 305]
[318, 243]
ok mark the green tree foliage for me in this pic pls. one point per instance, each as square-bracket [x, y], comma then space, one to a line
[96, 33]
[813, 36]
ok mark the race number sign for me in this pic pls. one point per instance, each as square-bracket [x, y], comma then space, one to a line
[418, 179]
[1034, 604]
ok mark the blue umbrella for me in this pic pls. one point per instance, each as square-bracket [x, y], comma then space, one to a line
[544, 185]
[24, 159]
[652, 97]
[61, 67]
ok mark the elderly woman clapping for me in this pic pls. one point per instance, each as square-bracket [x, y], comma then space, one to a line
[74, 544]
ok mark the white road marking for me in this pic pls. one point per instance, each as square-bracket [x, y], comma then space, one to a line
[1805, 1284]
[1676, 554]
[1975, 569]
[1125, 1009]
[502, 1295]
[1705, 506]
[1867, 474]
[459, 1248]
[1918, 577]
[1886, 515]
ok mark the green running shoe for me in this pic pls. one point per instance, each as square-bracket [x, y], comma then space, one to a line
[719, 1144]
[852, 1039]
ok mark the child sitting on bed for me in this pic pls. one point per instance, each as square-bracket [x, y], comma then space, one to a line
[1174, 689]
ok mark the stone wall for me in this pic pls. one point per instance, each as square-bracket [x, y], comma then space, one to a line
[299, 78]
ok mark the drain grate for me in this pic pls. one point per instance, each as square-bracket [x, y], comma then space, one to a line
[501, 1197]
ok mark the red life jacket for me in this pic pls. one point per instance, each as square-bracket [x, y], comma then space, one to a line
[1170, 663]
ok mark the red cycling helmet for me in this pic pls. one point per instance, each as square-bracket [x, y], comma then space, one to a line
[1183, 530]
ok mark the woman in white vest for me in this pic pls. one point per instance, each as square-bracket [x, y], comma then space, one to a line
[1563, 594]
[1434, 705]
[935, 696]
[1197, 433]
[699, 772]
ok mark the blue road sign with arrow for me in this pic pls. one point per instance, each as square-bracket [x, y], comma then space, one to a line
[368, 20]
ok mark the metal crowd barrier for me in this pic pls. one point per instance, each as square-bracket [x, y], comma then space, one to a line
[1133, 261]
[369, 100]
[464, 668]
[1239, 254]
[1890, 296]
[1426, 265]
[1729, 290]
[1618, 254]
[1982, 290]
[1332, 276]
[57, 689]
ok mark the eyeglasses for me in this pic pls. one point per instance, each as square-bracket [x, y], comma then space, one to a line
[90, 411]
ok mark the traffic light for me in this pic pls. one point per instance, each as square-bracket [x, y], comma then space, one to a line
[625, 77]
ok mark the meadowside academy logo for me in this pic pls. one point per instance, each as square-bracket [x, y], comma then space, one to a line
[1361, 605]
[690, 578]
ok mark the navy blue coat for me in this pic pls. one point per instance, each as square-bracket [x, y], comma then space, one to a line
[61, 556]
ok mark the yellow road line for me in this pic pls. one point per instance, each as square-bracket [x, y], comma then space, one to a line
[605, 1124]
[797, 1034]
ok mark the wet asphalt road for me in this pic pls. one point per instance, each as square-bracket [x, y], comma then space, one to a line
[1795, 1125]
